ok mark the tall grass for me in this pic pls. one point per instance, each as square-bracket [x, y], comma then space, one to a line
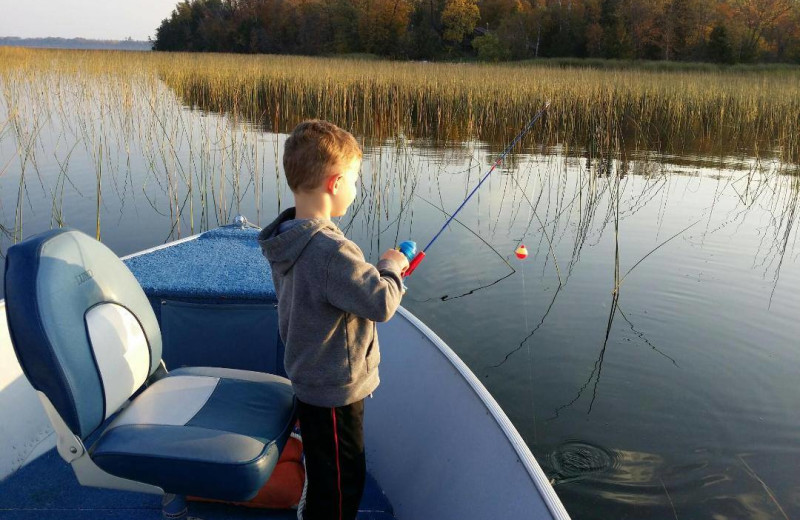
[705, 110]
[717, 110]
[113, 110]
[119, 107]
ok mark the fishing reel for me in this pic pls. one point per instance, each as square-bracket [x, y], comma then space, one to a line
[408, 248]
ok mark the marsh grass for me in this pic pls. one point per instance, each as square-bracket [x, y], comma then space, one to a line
[669, 108]
[195, 121]
[112, 113]
[716, 110]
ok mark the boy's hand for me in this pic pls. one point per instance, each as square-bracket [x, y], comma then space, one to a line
[398, 257]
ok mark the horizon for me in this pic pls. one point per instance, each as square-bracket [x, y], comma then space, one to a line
[104, 20]
[5, 36]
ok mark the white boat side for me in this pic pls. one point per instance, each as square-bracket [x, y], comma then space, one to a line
[162, 246]
[24, 428]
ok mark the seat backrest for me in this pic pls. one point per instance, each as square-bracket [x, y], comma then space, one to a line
[82, 328]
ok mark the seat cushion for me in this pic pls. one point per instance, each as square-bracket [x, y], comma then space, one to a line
[82, 328]
[208, 432]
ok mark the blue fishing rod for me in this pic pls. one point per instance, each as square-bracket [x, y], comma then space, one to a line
[409, 248]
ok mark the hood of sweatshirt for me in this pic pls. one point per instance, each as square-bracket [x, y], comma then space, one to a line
[284, 249]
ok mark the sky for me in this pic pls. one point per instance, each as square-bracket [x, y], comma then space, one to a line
[92, 19]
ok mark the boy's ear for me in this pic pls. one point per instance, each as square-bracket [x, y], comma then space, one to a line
[333, 184]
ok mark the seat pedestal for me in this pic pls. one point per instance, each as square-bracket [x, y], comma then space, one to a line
[173, 507]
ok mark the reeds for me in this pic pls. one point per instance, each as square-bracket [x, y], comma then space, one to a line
[671, 111]
[664, 109]
[122, 109]
[112, 113]
[679, 110]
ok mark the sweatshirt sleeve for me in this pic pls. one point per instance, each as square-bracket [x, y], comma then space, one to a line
[360, 288]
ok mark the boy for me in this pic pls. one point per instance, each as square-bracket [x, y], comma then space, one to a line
[329, 299]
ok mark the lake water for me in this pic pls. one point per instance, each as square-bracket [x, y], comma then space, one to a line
[646, 349]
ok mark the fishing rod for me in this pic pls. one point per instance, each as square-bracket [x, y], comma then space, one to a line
[409, 248]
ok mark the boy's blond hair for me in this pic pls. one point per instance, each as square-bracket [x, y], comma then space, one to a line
[313, 147]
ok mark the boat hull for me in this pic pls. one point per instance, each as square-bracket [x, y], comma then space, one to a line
[439, 444]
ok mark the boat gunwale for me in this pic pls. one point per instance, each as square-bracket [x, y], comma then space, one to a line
[162, 246]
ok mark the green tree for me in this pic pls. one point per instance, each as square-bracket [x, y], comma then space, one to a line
[720, 49]
[520, 30]
[459, 19]
[382, 24]
[175, 30]
[493, 12]
[617, 43]
[490, 48]
[564, 23]
[682, 29]
[345, 21]
[424, 40]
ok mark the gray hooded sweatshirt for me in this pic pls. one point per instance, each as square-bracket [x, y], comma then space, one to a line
[329, 299]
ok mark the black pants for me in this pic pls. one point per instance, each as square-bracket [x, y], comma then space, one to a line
[336, 468]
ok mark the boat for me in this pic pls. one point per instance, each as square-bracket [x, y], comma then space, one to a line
[438, 445]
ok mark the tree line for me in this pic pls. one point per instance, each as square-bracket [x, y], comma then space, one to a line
[721, 31]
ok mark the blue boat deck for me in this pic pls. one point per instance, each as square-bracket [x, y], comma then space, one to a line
[46, 489]
[223, 265]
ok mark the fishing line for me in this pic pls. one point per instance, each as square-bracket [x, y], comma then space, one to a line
[541, 226]
[530, 355]
[447, 297]
[417, 257]
[478, 236]
[536, 328]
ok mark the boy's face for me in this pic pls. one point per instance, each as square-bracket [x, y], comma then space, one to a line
[346, 179]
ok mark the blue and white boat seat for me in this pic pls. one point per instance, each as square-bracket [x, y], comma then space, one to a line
[87, 339]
